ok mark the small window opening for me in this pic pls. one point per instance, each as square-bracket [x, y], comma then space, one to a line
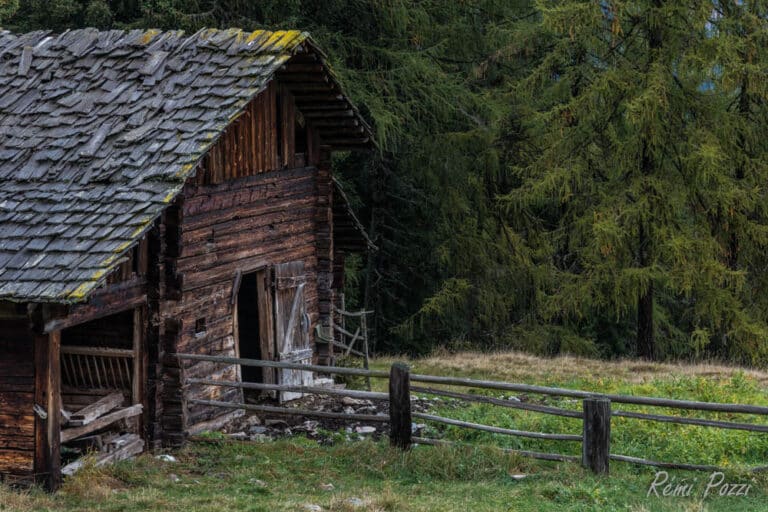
[200, 327]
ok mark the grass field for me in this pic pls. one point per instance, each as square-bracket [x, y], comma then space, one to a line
[290, 474]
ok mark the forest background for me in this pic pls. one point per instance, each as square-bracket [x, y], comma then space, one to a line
[581, 176]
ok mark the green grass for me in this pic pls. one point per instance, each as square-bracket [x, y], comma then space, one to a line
[226, 475]
[667, 442]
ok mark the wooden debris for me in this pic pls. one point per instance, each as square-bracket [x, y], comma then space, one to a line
[97, 409]
[119, 448]
[73, 433]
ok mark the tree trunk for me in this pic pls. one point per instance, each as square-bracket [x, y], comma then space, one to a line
[646, 346]
[646, 343]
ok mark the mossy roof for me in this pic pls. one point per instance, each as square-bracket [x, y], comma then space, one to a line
[98, 133]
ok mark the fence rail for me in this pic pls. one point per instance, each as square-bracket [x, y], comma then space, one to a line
[595, 415]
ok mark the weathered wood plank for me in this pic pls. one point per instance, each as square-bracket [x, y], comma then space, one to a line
[95, 410]
[105, 301]
[497, 430]
[127, 446]
[47, 458]
[102, 422]
[400, 406]
[596, 444]
[573, 393]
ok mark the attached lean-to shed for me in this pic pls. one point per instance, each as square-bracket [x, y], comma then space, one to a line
[160, 193]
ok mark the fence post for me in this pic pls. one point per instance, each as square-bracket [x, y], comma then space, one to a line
[400, 406]
[597, 435]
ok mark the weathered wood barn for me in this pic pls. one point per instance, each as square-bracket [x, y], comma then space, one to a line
[160, 193]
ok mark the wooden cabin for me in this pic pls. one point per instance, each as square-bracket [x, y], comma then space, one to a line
[161, 194]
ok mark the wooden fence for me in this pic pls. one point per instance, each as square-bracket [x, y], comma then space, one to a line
[596, 412]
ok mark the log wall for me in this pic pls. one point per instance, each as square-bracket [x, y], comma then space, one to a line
[17, 392]
[240, 226]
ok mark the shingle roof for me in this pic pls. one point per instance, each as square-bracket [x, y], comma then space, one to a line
[99, 131]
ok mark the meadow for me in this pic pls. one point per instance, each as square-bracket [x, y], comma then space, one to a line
[294, 474]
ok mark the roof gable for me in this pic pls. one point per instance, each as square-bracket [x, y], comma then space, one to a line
[98, 133]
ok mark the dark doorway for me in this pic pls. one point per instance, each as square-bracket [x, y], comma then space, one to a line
[248, 325]
[255, 327]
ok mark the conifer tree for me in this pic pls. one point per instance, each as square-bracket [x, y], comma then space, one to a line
[627, 195]
[7, 9]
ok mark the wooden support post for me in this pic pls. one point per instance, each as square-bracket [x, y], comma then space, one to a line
[597, 435]
[47, 407]
[137, 379]
[366, 362]
[400, 406]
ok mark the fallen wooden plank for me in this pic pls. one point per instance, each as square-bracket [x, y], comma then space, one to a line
[92, 412]
[126, 446]
[73, 433]
[73, 467]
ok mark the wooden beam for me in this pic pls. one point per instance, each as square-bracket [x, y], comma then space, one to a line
[136, 386]
[113, 299]
[365, 395]
[95, 410]
[750, 427]
[47, 405]
[497, 430]
[96, 351]
[400, 406]
[544, 409]
[574, 393]
[596, 445]
[73, 433]
[128, 445]
[280, 364]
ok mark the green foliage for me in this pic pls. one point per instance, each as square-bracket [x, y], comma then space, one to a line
[7, 9]
[98, 14]
[639, 190]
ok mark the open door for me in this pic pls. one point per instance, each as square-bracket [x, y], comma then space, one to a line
[292, 326]
[255, 333]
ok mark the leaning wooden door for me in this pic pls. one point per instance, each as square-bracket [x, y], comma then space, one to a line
[292, 326]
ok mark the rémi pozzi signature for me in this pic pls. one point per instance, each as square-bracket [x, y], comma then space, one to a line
[664, 485]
